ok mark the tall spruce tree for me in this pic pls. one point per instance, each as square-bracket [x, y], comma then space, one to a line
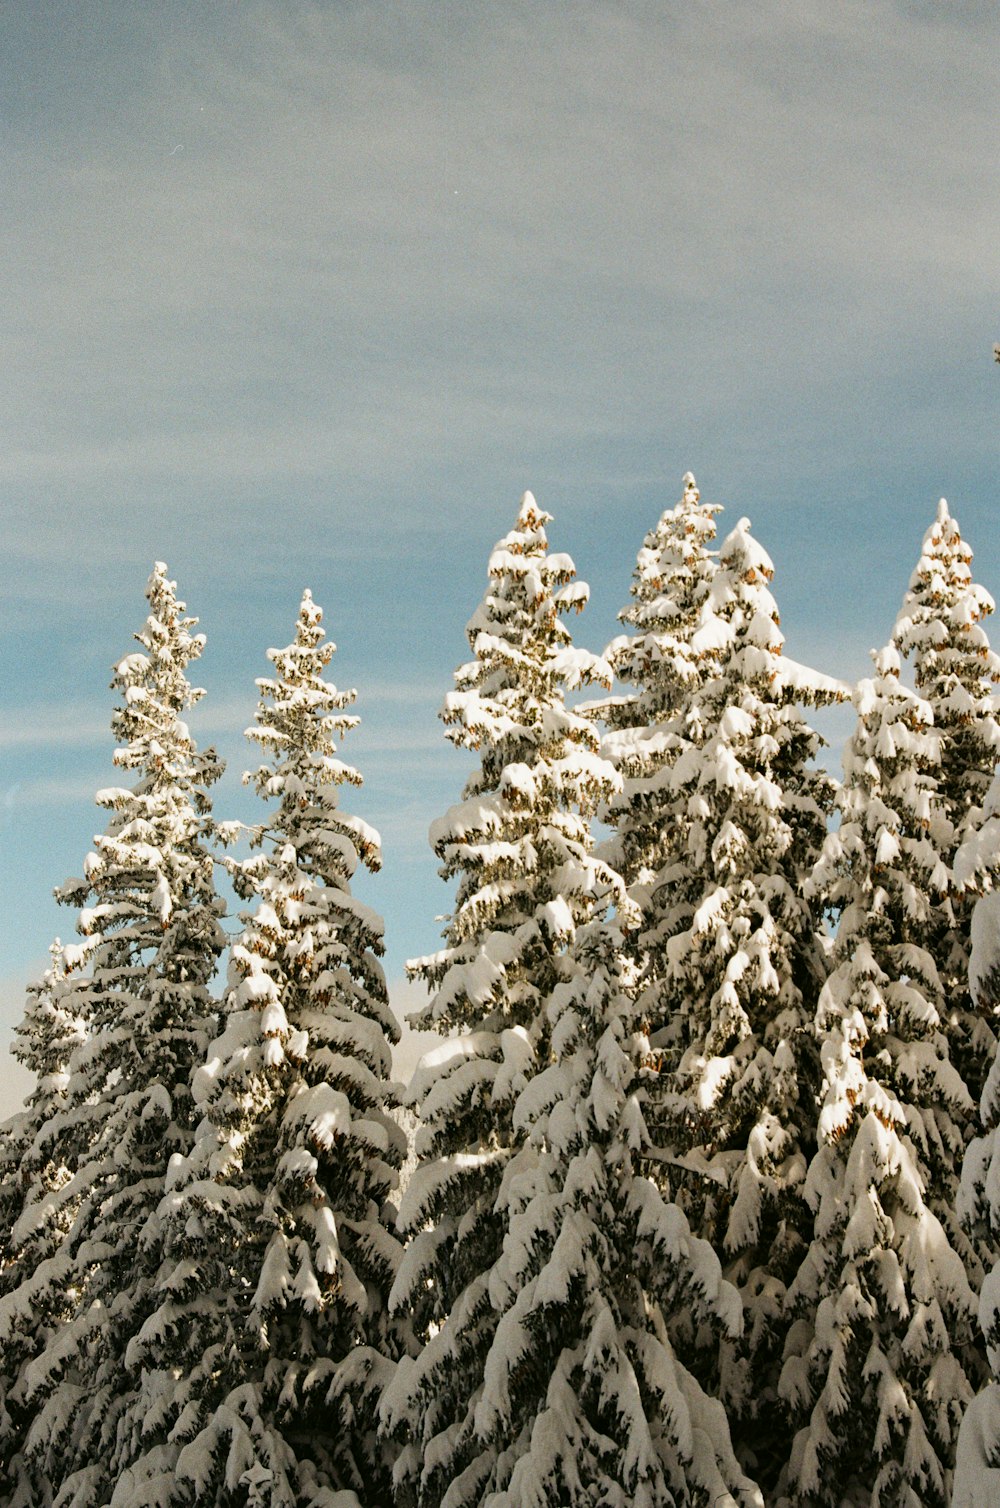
[266, 1358]
[734, 966]
[139, 982]
[940, 629]
[880, 1364]
[520, 848]
[34, 1220]
[675, 649]
[661, 665]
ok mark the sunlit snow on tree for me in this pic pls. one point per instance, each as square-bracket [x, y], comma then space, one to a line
[940, 630]
[584, 1400]
[520, 847]
[662, 663]
[880, 1363]
[35, 1294]
[150, 939]
[272, 1338]
[733, 967]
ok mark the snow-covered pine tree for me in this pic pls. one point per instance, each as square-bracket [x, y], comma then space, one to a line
[520, 848]
[34, 1220]
[140, 983]
[661, 664]
[735, 964]
[272, 1343]
[879, 1364]
[583, 1399]
[977, 867]
[940, 629]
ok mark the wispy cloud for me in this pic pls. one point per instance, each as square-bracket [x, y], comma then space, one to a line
[382, 240]
[49, 791]
[64, 724]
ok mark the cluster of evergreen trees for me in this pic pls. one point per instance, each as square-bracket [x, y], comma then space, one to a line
[688, 1221]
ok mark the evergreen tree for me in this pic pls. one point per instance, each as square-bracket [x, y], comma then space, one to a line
[661, 664]
[665, 664]
[583, 1399]
[34, 1220]
[271, 1345]
[734, 967]
[878, 1366]
[520, 847]
[940, 628]
[139, 982]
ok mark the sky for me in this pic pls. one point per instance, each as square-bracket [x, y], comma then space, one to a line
[309, 294]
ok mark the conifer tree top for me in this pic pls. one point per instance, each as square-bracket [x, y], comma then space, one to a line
[940, 628]
[942, 580]
[529, 515]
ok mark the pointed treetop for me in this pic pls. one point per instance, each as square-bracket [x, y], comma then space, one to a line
[943, 543]
[886, 659]
[529, 516]
[310, 618]
[161, 594]
[167, 612]
[939, 621]
[298, 703]
[740, 547]
[156, 679]
[691, 493]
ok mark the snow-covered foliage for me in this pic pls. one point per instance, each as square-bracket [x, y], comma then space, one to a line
[138, 982]
[940, 629]
[683, 1217]
[879, 1365]
[270, 1346]
[520, 847]
[581, 1398]
[733, 968]
[34, 1219]
[661, 665]
[977, 1470]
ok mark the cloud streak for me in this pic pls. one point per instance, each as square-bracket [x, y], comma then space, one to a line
[487, 235]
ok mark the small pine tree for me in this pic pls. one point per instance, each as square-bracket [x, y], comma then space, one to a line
[272, 1345]
[520, 848]
[878, 1364]
[735, 964]
[583, 1399]
[34, 1220]
[139, 981]
[940, 629]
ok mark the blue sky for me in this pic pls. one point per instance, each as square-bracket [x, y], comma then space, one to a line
[307, 295]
